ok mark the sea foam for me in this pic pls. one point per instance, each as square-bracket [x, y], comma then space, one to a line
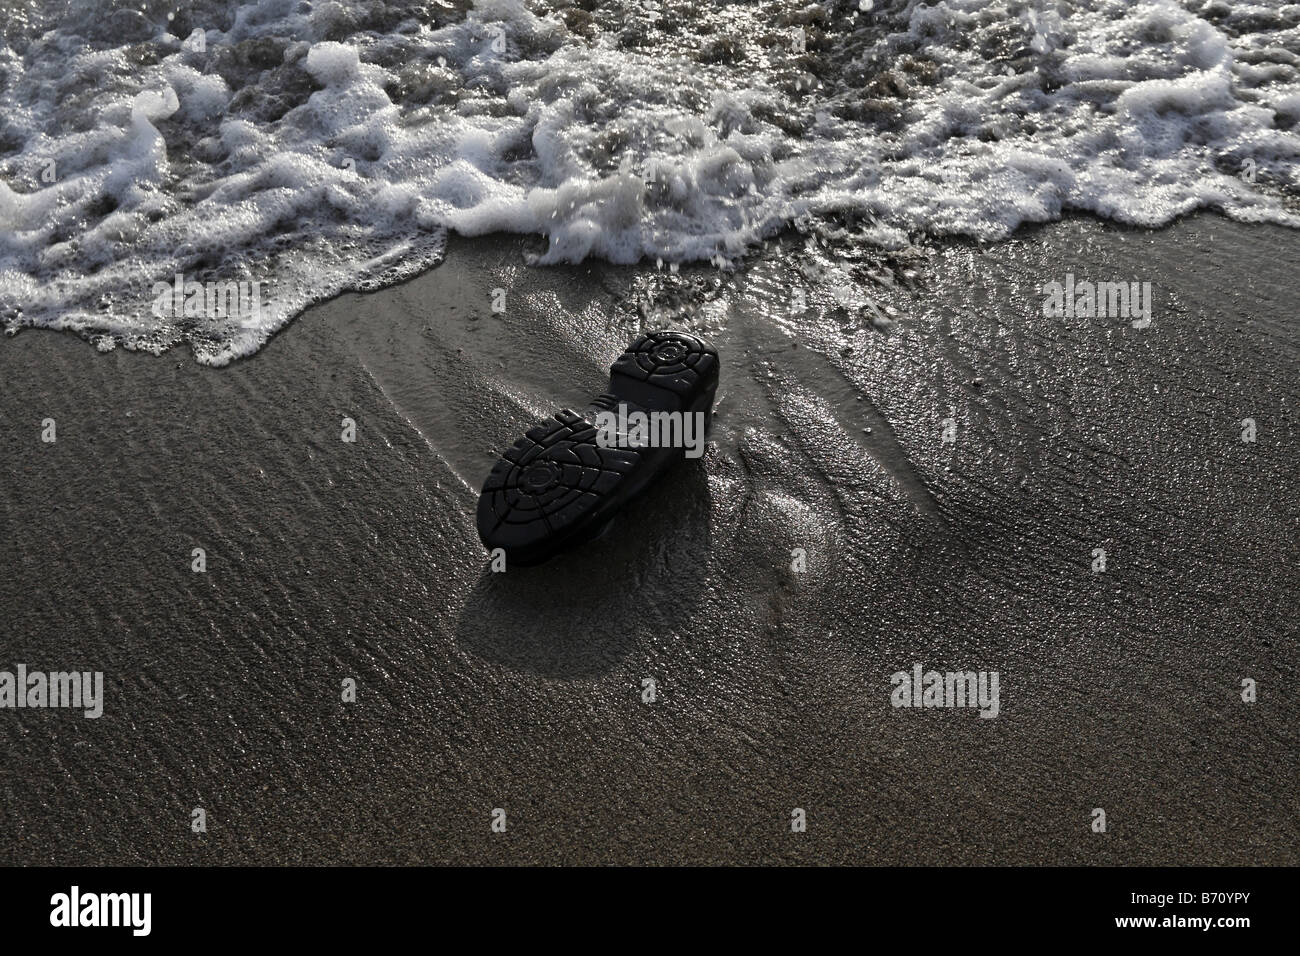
[318, 147]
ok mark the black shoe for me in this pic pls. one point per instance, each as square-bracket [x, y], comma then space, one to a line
[562, 482]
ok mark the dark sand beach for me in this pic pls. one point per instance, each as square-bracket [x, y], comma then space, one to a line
[329, 560]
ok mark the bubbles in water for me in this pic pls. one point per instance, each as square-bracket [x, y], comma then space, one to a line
[316, 148]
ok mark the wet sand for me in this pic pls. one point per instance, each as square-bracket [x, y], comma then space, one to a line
[329, 560]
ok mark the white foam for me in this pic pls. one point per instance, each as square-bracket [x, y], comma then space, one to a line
[320, 148]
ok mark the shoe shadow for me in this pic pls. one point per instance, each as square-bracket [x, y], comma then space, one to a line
[579, 614]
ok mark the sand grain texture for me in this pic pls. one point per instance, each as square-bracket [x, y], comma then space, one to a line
[329, 560]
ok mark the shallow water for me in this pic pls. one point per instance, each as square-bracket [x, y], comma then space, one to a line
[307, 148]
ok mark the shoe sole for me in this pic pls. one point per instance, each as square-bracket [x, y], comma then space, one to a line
[558, 486]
